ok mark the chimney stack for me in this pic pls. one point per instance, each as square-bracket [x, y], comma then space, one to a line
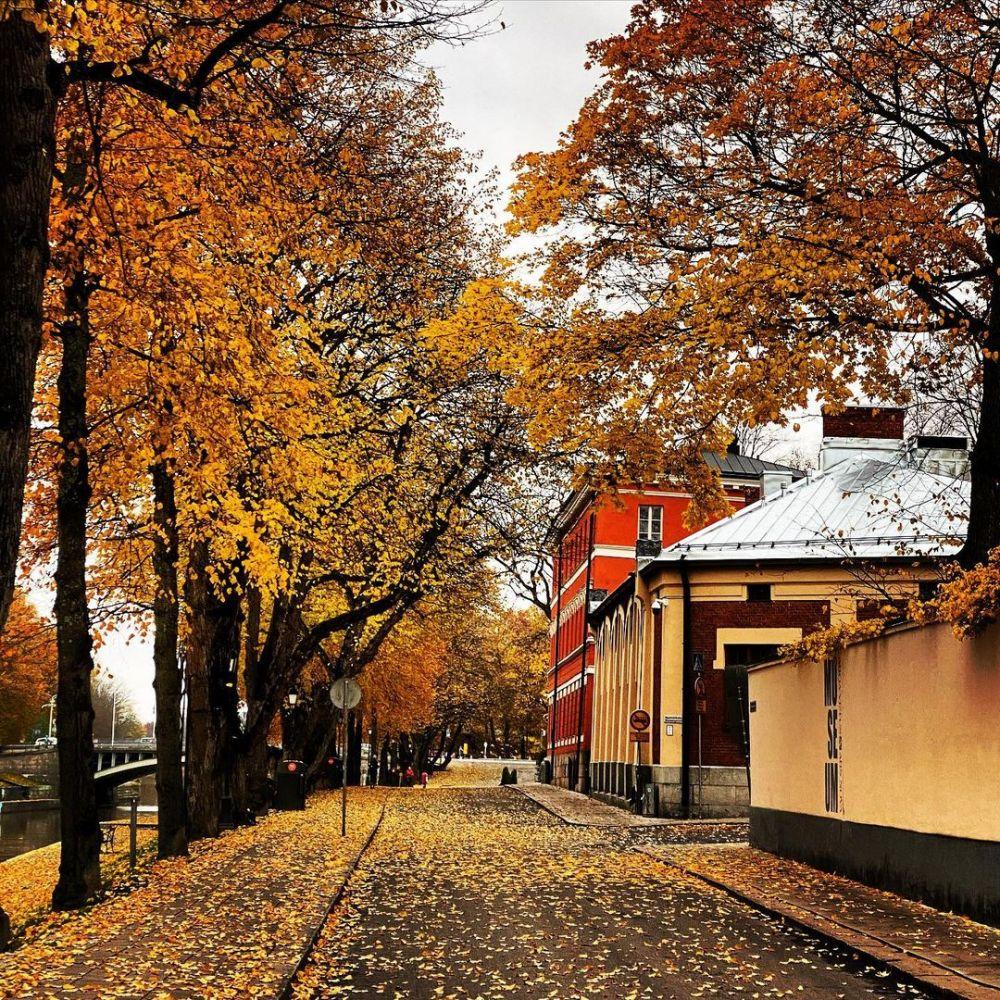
[942, 455]
[871, 431]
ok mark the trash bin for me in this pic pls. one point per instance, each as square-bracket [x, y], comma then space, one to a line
[291, 785]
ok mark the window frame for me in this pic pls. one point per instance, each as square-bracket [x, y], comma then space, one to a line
[651, 513]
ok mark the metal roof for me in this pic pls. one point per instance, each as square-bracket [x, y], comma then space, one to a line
[745, 466]
[862, 508]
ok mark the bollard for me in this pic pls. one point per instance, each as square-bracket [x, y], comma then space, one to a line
[132, 831]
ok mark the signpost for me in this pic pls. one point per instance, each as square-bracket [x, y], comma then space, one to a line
[345, 695]
[638, 724]
[700, 708]
[639, 721]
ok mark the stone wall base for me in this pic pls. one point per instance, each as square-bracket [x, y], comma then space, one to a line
[565, 773]
[722, 792]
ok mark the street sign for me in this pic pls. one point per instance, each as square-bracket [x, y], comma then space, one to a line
[638, 737]
[345, 693]
[639, 720]
[700, 695]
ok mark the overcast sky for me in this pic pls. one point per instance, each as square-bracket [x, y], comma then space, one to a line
[508, 93]
[515, 90]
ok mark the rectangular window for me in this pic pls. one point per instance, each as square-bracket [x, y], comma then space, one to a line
[758, 592]
[650, 523]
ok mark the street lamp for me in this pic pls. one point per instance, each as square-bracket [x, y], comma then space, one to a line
[51, 706]
[293, 697]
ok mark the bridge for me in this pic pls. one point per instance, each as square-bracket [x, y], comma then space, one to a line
[114, 762]
[122, 761]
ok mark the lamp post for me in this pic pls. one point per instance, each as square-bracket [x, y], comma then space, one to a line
[51, 706]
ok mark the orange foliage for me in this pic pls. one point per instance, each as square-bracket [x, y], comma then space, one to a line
[27, 669]
[761, 203]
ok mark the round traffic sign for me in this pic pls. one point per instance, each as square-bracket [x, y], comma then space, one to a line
[345, 693]
[639, 720]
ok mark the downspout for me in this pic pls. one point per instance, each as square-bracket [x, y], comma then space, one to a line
[686, 694]
[555, 663]
[657, 694]
[583, 655]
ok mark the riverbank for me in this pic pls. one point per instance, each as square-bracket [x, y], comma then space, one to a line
[27, 881]
[231, 921]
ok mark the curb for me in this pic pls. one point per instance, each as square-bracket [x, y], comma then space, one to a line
[285, 989]
[939, 980]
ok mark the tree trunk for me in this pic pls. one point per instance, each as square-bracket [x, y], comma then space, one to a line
[383, 762]
[172, 809]
[250, 791]
[250, 788]
[79, 868]
[27, 124]
[984, 512]
[212, 696]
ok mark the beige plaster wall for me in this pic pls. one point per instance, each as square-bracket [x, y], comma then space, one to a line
[918, 729]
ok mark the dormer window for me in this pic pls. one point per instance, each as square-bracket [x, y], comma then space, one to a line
[650, 524]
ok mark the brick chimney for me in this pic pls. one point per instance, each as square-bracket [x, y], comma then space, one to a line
[872, 431]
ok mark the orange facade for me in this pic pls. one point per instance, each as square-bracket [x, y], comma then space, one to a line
[596, 546]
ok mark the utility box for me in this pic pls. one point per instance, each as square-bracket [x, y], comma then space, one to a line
[290, 792]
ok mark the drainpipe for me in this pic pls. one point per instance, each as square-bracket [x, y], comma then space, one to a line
[581, 780]
[555, 664]
[686, 694]
[657, 695]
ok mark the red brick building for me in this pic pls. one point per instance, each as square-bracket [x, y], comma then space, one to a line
[598, 543]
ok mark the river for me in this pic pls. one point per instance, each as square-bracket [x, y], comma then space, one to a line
[21, 832]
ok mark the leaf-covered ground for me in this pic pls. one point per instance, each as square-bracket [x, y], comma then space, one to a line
[479, 893]
[27, 881]
[474, 773]
[945, 938]
[229, 922]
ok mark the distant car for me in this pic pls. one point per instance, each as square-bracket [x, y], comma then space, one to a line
[45, 741]
[148, 740]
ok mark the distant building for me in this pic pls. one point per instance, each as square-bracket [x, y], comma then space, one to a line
[676, 637]
[597, 544]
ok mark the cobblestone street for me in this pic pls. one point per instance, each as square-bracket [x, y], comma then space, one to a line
[481, 893]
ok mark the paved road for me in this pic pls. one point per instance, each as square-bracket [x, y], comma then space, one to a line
[479, 893]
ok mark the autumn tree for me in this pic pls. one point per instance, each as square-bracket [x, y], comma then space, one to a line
[761, 201]
[178, 55]
[156, 211]
[27, 669]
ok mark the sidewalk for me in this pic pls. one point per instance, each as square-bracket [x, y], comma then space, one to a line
[233, 921]
[578, 809]
[951, 954]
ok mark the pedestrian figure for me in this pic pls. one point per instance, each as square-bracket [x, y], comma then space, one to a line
[410, 775]
[423, 779]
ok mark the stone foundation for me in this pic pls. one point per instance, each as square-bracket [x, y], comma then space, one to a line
[724, 792]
